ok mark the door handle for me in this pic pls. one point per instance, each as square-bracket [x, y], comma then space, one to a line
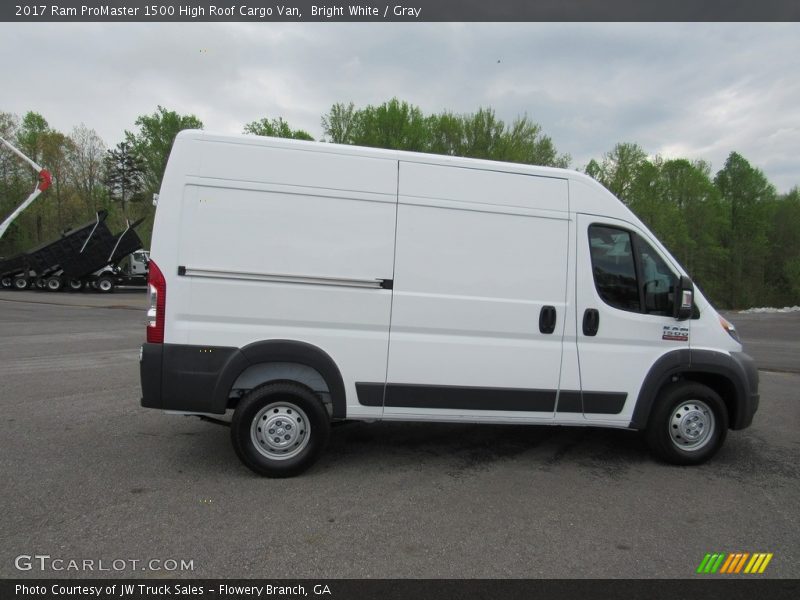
[547, 319]
[591, 321]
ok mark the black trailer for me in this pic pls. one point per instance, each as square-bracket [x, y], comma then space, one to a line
[112, 273]
[39, 264]
[73, 259]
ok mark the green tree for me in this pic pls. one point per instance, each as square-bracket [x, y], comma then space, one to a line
[11, 171]
[124, 175]
[55, 151]
[402, 126]
[783, 266]
[619, 169]
[48, 148]
[153, 141]
[483, 135]
[87, 153]
[446, 134]
[339, 123]
[746, 196]
[524, 142]
[699, 222]
[14, 184]
[394, 124]
[30, 135]
[276, 128]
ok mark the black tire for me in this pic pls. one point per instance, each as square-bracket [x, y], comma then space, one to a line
[105, 285]
[75, 285]
[7, 282]
[54, 284]
[276, 405]
[688, 424]
[20, 283]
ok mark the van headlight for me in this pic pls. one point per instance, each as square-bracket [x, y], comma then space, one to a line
[729, 327]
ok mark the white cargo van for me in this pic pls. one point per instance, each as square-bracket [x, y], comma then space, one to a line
[299, 283]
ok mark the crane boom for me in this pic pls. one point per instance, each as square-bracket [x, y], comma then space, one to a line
[45, 179]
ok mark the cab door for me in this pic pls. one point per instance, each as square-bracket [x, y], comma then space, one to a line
[624, 324]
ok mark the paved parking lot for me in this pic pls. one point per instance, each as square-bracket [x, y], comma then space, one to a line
[88, 474]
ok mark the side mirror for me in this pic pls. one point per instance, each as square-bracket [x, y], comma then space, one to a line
[683, 302]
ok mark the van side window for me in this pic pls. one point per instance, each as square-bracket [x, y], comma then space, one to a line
[658, 280]
[628, 273]
[613, 267]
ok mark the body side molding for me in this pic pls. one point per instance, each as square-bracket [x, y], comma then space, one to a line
[404, 395]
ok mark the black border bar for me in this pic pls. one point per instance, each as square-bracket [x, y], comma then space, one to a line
[700, 588]
[152, 11]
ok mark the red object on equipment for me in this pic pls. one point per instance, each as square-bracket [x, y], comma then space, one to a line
[45, 179]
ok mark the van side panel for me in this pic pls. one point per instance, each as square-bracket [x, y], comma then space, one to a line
[303, 233]
[482, 186]
[252, 161]
[471, 278]
[269, 261]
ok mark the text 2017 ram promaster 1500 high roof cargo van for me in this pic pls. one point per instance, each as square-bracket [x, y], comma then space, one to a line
[299, 283]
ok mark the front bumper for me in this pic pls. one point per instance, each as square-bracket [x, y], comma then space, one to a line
[749, 390]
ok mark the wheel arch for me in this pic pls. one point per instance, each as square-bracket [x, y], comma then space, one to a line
[261, 373]
[717, 370]
[275, 360]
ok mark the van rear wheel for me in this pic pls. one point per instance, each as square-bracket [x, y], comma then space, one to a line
[688, 424]
[280, 429]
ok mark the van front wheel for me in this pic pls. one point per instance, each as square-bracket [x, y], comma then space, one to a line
[280, 429]
[688, 424]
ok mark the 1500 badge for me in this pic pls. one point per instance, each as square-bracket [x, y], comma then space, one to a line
[675, 333]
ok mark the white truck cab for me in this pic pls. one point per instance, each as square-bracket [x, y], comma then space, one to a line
[297, 283]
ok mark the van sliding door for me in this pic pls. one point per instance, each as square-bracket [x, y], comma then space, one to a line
[479, 295]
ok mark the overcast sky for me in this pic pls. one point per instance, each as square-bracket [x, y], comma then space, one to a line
[693, 90]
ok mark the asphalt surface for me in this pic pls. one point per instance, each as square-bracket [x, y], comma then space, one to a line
[88, 474]
[772, 339]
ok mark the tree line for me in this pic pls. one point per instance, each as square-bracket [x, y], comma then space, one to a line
[735, 235]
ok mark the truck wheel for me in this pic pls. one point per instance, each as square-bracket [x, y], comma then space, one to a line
[21, 283]
[688, 424]
[54, 284]
[105, 285]
[75, 285]
[280, 429]
[7, 282]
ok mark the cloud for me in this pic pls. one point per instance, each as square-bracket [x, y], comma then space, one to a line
[699, 90]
